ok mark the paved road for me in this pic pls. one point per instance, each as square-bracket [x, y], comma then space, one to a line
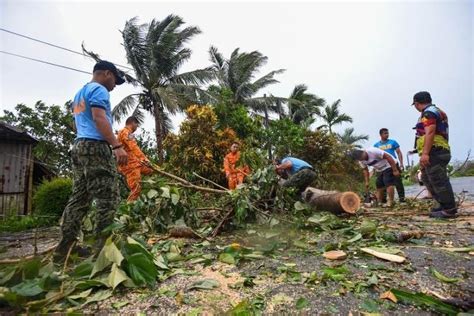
[463, 184]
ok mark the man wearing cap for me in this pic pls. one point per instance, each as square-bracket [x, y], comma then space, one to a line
[393, 148]
[93, 163]
[300, 174]
[385, 166]
[433, 147]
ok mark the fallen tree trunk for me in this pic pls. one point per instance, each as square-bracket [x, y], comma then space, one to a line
[332, 201]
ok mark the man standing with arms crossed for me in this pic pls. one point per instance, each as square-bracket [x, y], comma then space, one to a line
[93, 163]
[433, 147]
[393, 148]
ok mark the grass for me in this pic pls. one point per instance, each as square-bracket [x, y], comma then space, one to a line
[20, 223]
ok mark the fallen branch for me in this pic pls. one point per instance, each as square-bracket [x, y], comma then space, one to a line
[383, 255]
[221, 223]
[210, 181]
[186, 183]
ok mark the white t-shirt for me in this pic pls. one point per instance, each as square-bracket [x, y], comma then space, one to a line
[375, 159]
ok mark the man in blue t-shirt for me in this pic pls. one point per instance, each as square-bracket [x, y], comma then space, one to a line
[93, 162]
[393, 148]
[299, 173]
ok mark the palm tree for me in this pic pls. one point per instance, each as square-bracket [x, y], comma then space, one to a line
[348, 137]
[156, 52]
[237, 74]
[332, 116]
[302, 106]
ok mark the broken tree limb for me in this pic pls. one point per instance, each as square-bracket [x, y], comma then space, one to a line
[210, 181]
[383, 255]
[332, 201]
[185, 183]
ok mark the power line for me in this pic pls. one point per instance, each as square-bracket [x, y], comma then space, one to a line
[45, 62]
[56, 46]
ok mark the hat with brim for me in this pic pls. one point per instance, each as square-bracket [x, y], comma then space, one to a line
[107, 65]
[422, 97]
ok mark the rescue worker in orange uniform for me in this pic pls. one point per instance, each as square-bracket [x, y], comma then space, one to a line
[138, 164]
[235, 175]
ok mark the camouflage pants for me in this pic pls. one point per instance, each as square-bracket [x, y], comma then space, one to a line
[435, 178]
[95, 178]
[301, 180]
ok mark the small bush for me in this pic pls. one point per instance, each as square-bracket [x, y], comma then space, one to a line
[51, 197]
[16, 224]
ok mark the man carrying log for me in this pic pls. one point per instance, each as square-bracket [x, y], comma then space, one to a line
[299, 173]
[138, 163]
[235, 175]
[385, 166]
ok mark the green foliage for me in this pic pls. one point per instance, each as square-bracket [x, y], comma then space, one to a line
[52, 126]
[156, 51]
[465, 171]
[159, 207]
[332, 116]
[286, 137]
[328, 157]
[200, 146]
[235, 116]
[237, 74]
[52, 196]
[260, 192]
[147, 144]
[20, 223]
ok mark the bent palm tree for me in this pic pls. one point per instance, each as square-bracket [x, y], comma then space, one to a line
[332, 116]
[348, 137]
[156, 52]
[302, 106]
[237, 75]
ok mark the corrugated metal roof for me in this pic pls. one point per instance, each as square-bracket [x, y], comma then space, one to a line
[12, 133]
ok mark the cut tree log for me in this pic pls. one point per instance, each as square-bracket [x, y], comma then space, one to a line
[332, 201]
[335, 255]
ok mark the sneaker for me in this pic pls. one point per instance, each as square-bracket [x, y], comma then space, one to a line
[436, 209]
[444, 214]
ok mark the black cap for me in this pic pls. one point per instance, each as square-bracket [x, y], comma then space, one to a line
[107, 65]
[422, 97]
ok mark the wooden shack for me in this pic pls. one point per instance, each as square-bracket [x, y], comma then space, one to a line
[16, 171]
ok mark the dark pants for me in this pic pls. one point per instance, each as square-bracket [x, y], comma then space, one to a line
[301, 180]
[398, 182]
[95, 178]
[435, 178]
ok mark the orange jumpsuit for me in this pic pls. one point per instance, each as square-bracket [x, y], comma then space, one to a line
[235, 176]
[133, 170]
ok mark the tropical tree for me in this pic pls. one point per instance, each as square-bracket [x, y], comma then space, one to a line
[156, 51]
[332, 116]
[348, 137]
[52, 126]
[237, 74]
[302, 106]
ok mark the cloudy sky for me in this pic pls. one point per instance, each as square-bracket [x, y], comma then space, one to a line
[372, 55]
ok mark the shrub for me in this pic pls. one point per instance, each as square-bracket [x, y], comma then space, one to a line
[17, 223]
[200, 146]
[51, 197]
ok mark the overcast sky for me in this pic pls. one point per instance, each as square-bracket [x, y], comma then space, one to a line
[372, 55]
